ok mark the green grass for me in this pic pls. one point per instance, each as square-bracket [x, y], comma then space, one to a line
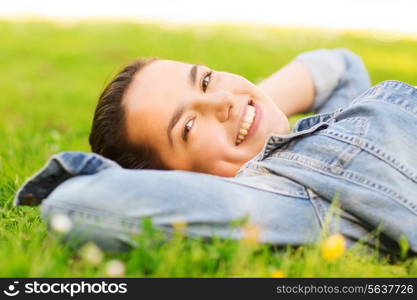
[51, 75]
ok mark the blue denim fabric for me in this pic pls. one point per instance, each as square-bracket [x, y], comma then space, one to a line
[357, 148]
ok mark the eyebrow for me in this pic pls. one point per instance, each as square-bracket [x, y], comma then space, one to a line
[193, 74]
[180, 109]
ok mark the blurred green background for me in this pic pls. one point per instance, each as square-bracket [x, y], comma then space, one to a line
[52, 73]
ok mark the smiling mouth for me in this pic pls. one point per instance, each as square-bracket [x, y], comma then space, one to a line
[246, 123]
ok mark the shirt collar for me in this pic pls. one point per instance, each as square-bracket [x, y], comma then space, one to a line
[303, 126]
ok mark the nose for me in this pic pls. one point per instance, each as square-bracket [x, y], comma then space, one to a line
[214, 104]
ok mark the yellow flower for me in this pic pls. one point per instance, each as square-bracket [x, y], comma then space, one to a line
[277, 274]
[333, 247]
[179, 226]
[251, 233]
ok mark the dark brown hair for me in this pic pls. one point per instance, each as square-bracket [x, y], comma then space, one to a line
[108, 133]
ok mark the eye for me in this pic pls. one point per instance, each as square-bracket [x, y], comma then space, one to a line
[206, 80]
[187, 129]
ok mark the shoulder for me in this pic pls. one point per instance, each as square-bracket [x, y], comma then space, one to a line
[398, 94]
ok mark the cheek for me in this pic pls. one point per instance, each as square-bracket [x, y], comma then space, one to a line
[208, 147]
[210, 144]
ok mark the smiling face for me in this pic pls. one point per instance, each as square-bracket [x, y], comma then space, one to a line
[199, 119]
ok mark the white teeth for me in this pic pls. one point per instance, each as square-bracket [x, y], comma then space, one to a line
[248, 118]
[247, 122]
[250, 109]
[246, 125]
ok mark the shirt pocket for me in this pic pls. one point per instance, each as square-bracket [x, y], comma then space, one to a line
[330, 150]
[347, 135]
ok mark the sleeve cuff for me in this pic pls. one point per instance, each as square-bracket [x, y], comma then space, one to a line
[59, 168]
[326, 66]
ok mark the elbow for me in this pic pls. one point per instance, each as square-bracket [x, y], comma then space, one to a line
[356, 71]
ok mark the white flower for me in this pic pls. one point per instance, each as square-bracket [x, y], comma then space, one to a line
[91, 254]
[115, 268]
[61, 223]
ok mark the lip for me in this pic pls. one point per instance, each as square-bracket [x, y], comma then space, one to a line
[255, 123]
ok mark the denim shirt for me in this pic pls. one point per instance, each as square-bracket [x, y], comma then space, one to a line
[355, 152]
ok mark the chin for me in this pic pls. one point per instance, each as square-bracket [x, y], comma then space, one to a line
[283, 127]
[228, 173]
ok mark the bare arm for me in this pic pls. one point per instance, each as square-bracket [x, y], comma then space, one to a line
[291, 88]
[308, 81]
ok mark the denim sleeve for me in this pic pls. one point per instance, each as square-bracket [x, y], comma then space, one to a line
[108, 206]
[339, 76]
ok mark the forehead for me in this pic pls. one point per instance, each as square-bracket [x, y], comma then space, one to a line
[151, 98]
[156, 81]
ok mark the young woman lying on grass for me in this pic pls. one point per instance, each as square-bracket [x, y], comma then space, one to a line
[225, 152]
